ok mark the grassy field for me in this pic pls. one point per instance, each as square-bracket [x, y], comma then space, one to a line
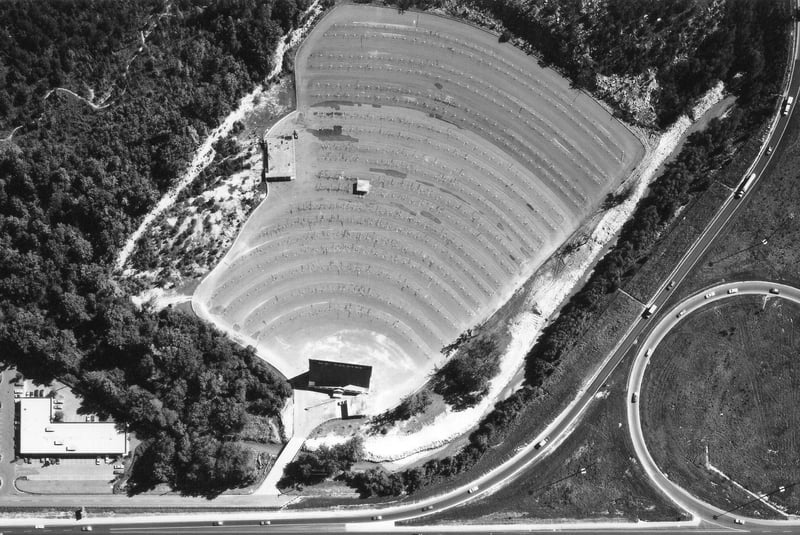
[771, 211]
[727, 379]
[481, 163]
[671, 248]
[614, 486]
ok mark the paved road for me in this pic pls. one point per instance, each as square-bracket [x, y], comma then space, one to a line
[656, 335]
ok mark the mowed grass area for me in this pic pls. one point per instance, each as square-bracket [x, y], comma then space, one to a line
[481, 164]
[727, 378]
[613, 487]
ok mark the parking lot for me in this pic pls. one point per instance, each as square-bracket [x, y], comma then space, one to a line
[6, 431]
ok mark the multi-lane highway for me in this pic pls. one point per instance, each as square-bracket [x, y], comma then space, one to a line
[675, 315]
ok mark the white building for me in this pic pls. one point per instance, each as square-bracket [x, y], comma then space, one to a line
[40, 435]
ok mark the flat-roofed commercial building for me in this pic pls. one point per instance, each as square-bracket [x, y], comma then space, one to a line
[40, 435]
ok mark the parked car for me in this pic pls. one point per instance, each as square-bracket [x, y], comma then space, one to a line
[119, 467]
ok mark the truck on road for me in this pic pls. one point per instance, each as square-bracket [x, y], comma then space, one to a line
[649, 311]
[744, 186]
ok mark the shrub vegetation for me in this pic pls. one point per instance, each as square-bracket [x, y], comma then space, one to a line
[75, 179]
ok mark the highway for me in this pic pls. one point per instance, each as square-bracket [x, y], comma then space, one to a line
[674, 316]
[362, 519]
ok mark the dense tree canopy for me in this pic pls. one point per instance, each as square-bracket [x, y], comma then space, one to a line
[78, 170]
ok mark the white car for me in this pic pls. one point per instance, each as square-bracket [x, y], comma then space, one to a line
[473, 489]
[709, 295]
[733, 291]
[682, 313]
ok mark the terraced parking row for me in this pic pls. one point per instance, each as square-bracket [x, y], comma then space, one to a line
[480, 163]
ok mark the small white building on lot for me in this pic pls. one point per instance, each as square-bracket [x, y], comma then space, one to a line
[40, 435]
[361, 187]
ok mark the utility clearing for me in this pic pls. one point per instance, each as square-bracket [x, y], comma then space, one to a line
[429, 171]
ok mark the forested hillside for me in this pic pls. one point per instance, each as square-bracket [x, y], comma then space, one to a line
[77, 171]
[649, 58]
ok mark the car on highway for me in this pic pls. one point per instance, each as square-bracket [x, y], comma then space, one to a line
[541, 443]
[770, 149]
[774, 291]
[427, 508]
[634, 397]
[473, 489]
[682, 313]
[709, 295]
[377, 517]
[265, 522]
[738, 521]
[86, 528]
[671, 285]
[648, 353]
[218, 523]
[733, 291]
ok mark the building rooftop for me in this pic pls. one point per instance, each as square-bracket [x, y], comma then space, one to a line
[362, 187]
[280, 158]
[39, 435]
[329, 374]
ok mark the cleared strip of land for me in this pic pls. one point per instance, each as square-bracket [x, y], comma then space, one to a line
[481, 164]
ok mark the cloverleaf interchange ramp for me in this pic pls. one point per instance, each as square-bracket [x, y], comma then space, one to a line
[481, 164]
[671, 318]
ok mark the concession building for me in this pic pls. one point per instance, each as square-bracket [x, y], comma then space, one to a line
[40, 435]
